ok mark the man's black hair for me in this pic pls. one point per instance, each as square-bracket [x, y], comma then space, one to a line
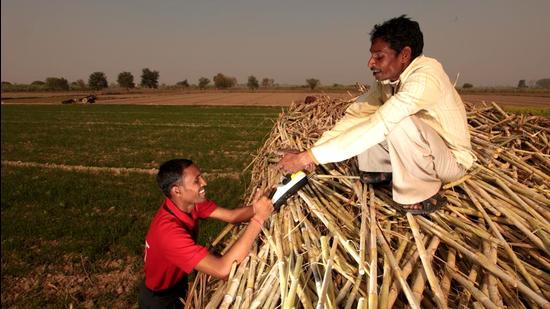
[400, 32]
[170, 172]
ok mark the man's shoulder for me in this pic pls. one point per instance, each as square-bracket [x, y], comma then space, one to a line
[204, 209]
[425, 63]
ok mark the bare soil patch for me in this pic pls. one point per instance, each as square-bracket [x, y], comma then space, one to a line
[509, 100]
[228, 98]
[112, 170]
[73, 282]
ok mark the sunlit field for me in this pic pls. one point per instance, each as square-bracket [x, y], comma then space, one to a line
[78, 191]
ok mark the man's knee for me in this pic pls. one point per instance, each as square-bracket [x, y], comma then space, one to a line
[407, 128]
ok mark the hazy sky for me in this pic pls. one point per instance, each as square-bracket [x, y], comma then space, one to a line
[490, 42]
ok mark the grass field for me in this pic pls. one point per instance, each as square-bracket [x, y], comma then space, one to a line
[75, 235]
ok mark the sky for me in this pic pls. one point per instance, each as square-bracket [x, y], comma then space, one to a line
[486, 42]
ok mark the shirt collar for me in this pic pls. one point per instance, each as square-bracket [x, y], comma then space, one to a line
[405, 72]
[180, 215]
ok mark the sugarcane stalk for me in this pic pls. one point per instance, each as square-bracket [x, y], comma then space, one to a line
[507, 248]
[426, 262]
[264, 291]
[482, 261]
[484, 299]
[386, 277]
[446, 279]
[354, 291]
[373, 254]
[294, 277]
[327, 277]
[396, 270]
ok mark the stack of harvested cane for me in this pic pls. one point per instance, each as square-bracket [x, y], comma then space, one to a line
[339, 244]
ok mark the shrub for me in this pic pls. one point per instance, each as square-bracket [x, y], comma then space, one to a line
[252, 83]
[543, 83]
[97, 81]
[222, 82]
[126, 80]
[78, 85]
[149, 79]
[203, 82]
[467, 85]
[183, 84]
[312, 83]
[54, 83]
[268, 82]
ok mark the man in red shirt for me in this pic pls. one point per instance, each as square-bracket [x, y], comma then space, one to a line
[170, 248]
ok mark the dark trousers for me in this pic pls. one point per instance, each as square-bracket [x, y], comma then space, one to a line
[167, 299]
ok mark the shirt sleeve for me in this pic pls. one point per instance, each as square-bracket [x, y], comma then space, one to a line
[364, 106]
[362, 132]
[204, 209]
[180, 249]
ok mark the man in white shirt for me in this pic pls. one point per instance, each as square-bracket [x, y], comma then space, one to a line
[410, 128]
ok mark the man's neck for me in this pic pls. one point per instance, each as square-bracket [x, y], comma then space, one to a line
[187, 208]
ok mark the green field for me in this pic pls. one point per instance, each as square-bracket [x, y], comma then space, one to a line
[76, 236]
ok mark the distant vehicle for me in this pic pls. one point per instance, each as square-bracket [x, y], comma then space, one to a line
[89, 99]
[69, 101]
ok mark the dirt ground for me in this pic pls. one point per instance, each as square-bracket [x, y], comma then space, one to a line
[260, 98]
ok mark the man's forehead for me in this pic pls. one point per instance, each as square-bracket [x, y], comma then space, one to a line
[379, 45]
[191, 172]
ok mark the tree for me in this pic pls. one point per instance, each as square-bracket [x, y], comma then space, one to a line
[149, 79]
[38, 83]
[78, 85]
[97, 81]
[267, 82]
[543, 83]
[522, 84]
[54, 83]
[222, 82]
[126, 80]
[183, 84]
[467, 85]
[312, 83]
[252, 83]
[203, 82]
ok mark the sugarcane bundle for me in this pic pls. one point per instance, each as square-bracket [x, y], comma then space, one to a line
[341, 244]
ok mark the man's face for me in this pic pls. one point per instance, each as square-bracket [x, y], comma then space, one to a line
[191, 190]
[385, 63]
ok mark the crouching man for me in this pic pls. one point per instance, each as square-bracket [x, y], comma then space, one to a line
[410, 129]
[171, 252]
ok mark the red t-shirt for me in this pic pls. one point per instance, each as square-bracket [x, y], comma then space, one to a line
[170, 249]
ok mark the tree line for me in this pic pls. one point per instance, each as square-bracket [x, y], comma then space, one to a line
[149, 79]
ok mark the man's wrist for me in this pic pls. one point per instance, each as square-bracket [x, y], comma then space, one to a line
[311, 157]
[255, 219]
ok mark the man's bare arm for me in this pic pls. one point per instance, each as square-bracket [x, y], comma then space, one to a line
[219, 267]
[233, 215]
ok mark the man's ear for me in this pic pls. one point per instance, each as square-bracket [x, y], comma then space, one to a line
[406, 54]
[175, 190]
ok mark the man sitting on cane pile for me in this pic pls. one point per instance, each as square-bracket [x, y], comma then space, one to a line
[410, 128]
[170, 249]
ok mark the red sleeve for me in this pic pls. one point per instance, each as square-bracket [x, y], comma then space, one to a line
[204, 209]
[179, 249]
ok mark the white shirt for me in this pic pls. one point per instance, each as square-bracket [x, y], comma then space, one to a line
[423, 89]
